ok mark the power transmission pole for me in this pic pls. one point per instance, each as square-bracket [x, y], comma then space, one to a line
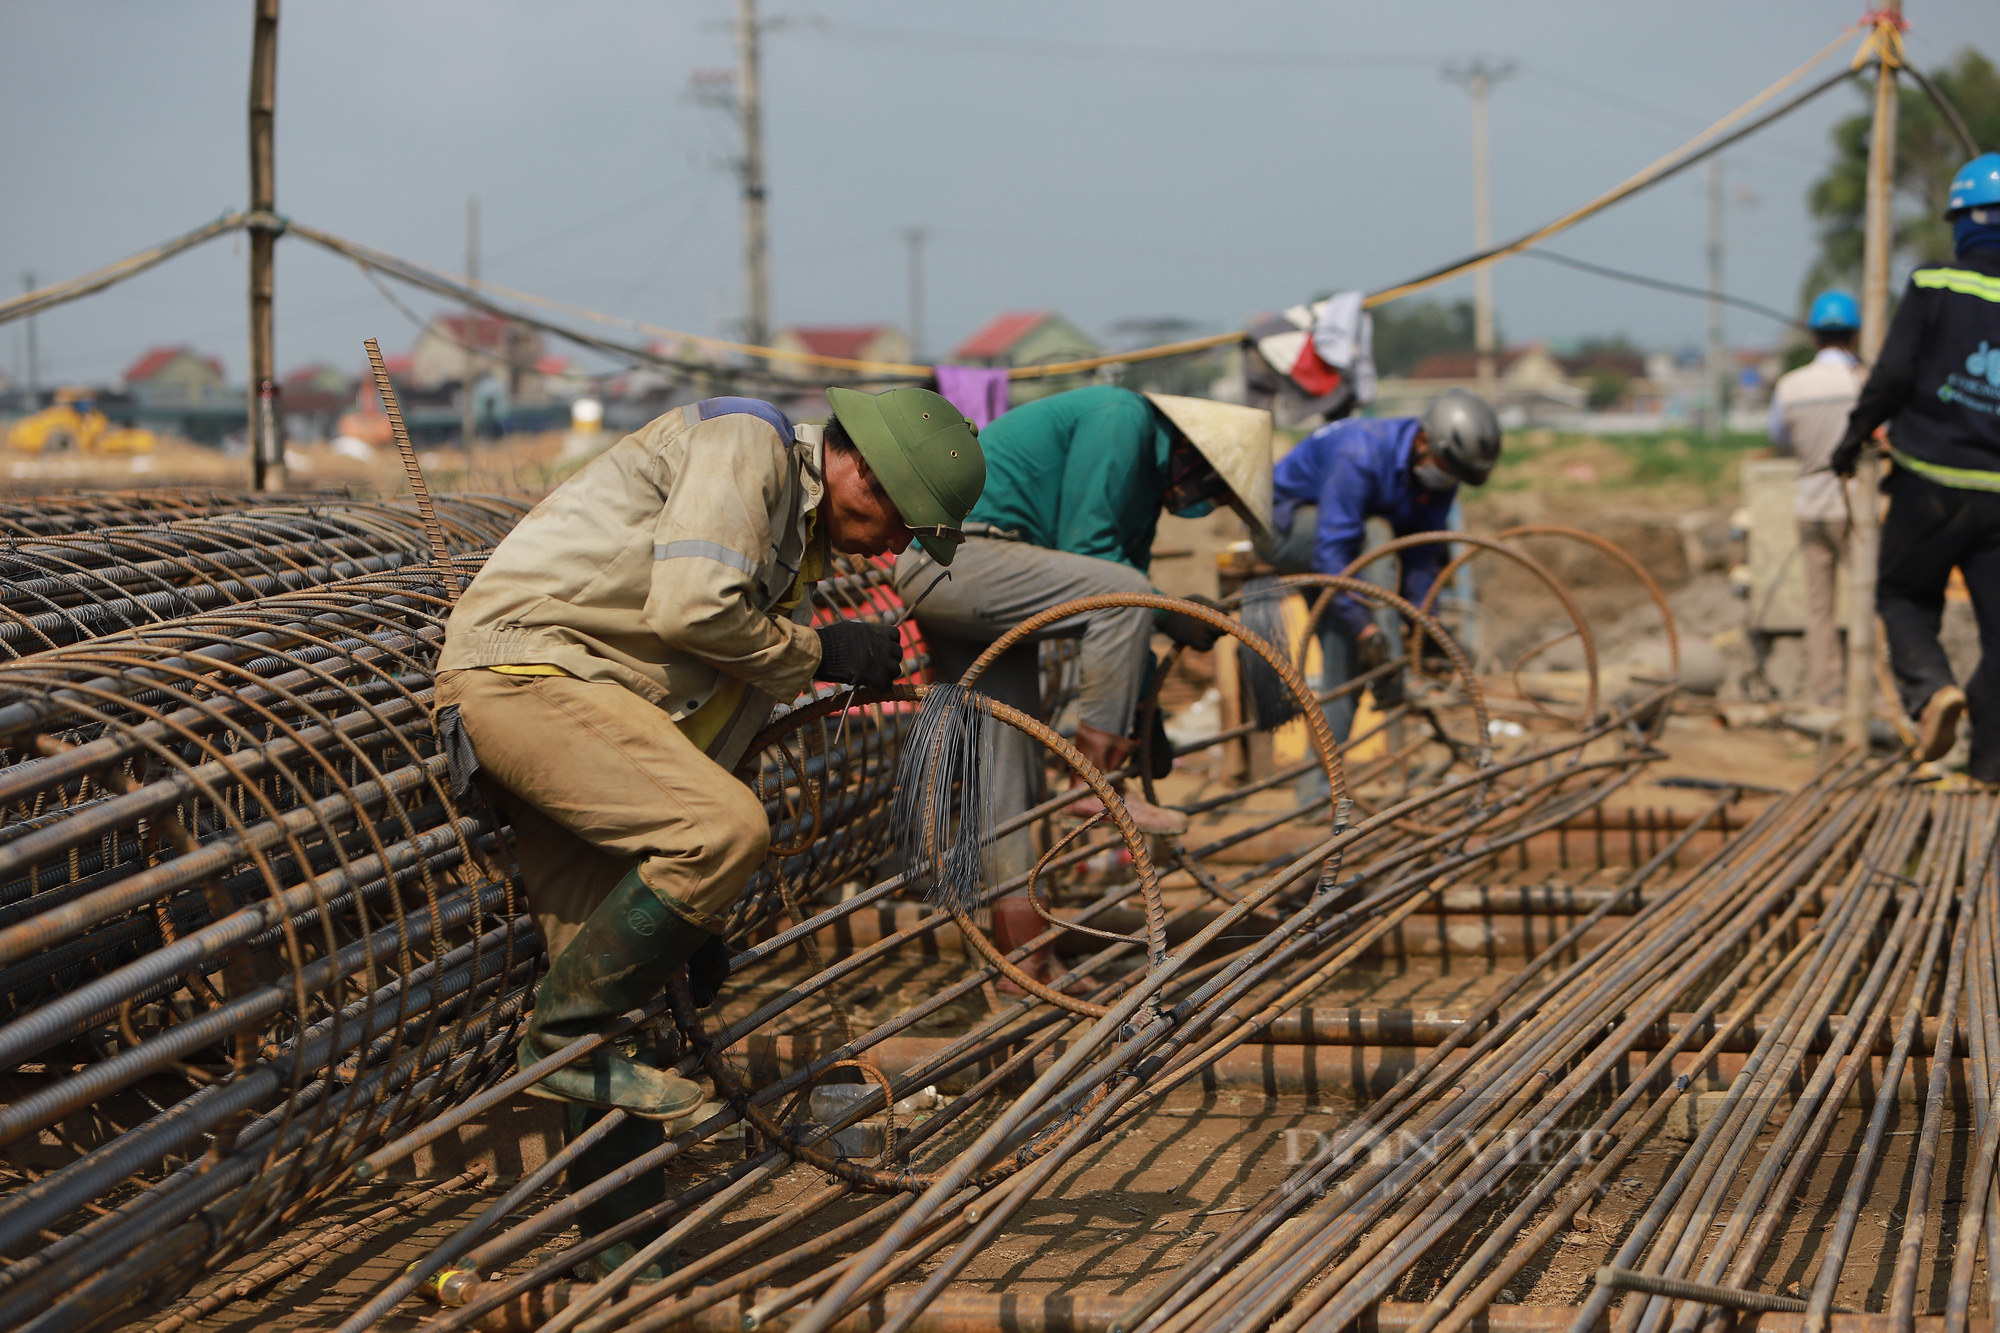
[1864, 543]
[1479, 78]
[468, 421]
[267, 455]
[34, 357]
[750, 112]
[915, 237]
[1718, 354]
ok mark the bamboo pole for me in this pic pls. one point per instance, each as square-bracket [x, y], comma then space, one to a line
[1864, 549]
[267, 459]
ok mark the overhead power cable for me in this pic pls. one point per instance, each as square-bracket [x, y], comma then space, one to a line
[1661, 284]
[457, 289]
[1697, 149]
[1956, 122]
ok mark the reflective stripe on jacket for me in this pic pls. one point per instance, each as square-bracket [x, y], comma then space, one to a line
[1936, 380]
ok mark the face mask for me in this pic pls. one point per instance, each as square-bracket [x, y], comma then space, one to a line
[1200, 509]
[1432, 477]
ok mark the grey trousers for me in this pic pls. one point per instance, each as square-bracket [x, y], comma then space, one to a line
[1822, 546]
[994, 585]
[1293, 554]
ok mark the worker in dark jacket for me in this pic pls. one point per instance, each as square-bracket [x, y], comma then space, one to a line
[1403, 469]
[1937, 385]
[1075, 485]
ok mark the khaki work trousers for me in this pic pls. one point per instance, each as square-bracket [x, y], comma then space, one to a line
[1822, 547]
[594, 779]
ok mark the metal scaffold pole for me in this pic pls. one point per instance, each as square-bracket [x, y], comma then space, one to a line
[1479, 78]
[914, 237]
[1864, 543]
[749, 105]
[1718, 351]
[468, 407]
[267, 458]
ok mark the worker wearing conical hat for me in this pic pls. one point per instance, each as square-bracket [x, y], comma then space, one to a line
[1075, 486]
[611, 662]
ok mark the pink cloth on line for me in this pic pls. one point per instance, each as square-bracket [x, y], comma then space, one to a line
[978, 391]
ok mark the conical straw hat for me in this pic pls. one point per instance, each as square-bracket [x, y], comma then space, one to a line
[1236, 440]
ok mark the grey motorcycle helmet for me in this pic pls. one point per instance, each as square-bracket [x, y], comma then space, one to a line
[1465, 433]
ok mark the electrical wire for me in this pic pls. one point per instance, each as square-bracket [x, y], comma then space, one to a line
[1945, 108]
[1661, 284]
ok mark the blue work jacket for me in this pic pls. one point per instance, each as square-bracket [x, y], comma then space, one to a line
[1355, 470]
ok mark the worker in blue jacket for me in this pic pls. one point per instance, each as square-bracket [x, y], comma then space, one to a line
[1403, 469]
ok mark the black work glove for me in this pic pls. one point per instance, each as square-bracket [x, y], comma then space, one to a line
[1847, 453]
[1187, 630]
[859, 652]
[707, 970]
[1370, 651]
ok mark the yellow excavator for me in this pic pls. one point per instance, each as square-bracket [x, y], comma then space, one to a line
[73, 422]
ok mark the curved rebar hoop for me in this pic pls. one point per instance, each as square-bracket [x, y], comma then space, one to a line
[1421, 622]
[239, 842]
[1316, 724]
[1604, 546]
[1047, 737]
[1522, 558]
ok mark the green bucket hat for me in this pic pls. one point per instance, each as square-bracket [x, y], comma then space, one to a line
[925, 454]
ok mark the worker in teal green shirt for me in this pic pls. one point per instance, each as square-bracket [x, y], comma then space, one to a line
[1110, 447]
[1075, 485]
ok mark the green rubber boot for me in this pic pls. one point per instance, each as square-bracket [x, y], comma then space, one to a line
[623, 1145]
[620, 960]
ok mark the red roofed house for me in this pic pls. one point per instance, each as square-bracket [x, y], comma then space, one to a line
[177, 377]
[1026, 338]
[456, 347]
[852, 342]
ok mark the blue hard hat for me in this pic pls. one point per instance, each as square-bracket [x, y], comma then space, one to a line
[1977, 184]
[1834, 310]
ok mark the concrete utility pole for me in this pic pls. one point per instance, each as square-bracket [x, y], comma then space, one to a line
[468, 420]
[915, 237]
[1718, 352]
[1864, 543]
[34, 357]
[267, 452]
[1479, 78]
[750, 111]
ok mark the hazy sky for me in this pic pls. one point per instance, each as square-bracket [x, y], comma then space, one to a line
[1114, 159]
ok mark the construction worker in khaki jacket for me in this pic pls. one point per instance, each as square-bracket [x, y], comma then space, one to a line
[612, 660]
